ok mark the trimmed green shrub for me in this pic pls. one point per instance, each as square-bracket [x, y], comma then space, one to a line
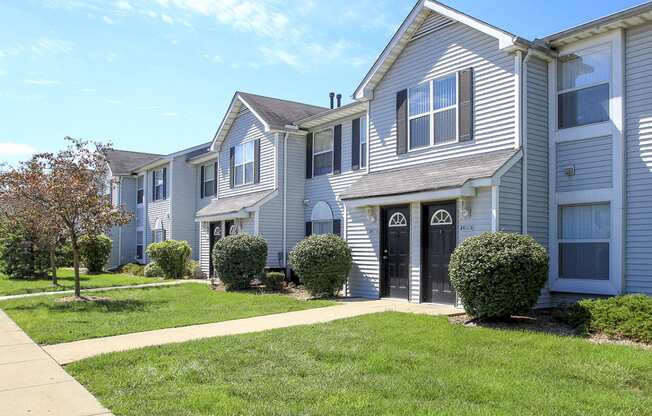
[172, 256]
[134, 269]
[619, 317]
[95, 251]
[238, 259]
[22, 258]
[497, 275]
[323, 263]
[273, 280]
[153, 270]
[193, 270]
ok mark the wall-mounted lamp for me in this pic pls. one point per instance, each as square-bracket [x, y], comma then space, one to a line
[569, 170]
[371, 214]
[465, 208]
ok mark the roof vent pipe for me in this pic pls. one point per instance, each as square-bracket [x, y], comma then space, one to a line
[332, 96]
[339, 100]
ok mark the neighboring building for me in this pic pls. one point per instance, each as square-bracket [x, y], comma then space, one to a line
[458, 128]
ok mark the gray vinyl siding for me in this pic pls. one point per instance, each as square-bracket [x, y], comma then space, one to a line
[245, 128]
[638, 162]
[156, 209]
[510, 199]
[296, 168]
[270, 218]
[128, 200]
[328, 188]
[433, 22]
[480, 219]
[536, 150]
[592, 159]
[442, 52]
[363, 237]
[183, 190]
[204, 245]
[199, 201]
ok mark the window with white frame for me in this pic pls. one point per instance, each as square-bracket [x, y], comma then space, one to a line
[322, 219]
[363, 142]
[432, 112]
[244, 164]
[584, 238]
[209, 180]
[139, 245]
[140, 195]
[158, 184]
[583, 87]
[158, 233]
[322, 153]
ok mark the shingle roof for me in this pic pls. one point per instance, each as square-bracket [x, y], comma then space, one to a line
[442, 174]
[279, 113]
[231, 205]
[123, 162]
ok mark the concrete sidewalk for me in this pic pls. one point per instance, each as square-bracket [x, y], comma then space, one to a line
[32, 383]
[73, 351]
[104, 289]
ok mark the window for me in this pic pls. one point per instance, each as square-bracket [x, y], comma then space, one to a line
[583, 87]
[141, 189]
[158, 184]
[398, 220]
[363, 142]
[158, 233]
[139, 245]
[244, 164]
[209, 180]
[322, 219]
[438, 109]
[322, 153]
[584, 237]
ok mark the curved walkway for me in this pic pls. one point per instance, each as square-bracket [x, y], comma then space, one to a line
[74, 351]
[104, 289]
[32, 383]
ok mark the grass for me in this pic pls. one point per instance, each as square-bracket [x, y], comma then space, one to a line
[67, 282]
[135, 310]
[382, 364]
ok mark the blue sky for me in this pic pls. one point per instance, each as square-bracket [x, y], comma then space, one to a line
[157, 75]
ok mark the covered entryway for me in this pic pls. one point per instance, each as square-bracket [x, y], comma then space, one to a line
[395, 279]
[438, 242]
[214, 236]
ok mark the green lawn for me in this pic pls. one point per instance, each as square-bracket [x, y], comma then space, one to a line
[383, 364]
[67, 281]
[135, 310]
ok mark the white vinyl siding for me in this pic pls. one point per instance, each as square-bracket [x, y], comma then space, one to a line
[510, 202]
[443, 52]
[591, 160]
[638, 178]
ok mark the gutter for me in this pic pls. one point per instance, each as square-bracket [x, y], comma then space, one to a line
[285, 196]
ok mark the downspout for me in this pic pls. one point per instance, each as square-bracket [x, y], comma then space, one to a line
[120, 182]
[524, 140]
[285, 197]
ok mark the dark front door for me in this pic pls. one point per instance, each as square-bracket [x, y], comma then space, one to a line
[395, 252]
[215, 235]
[438, 241]
[228, 227]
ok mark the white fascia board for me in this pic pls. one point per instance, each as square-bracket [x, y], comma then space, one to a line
[223, 124]
[495, 180]
[464, 191]
[505, 40]
[262, 120]
[203, 159]
[255, 207]
[222, 217]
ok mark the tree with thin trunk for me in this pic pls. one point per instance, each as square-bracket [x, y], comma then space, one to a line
[74, 189]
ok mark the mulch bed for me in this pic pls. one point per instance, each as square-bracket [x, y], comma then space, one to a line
[291, 290]
[87, 298]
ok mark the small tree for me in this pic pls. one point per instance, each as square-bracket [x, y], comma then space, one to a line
[70, 186]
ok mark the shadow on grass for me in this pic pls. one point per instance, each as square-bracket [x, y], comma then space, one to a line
[103, 305]
[546, 321]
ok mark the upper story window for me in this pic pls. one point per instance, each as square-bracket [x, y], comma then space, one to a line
[208, 180]
[322, 153]
[363, 142]
[583, 87]
[158, 181]
[244, 164]
[141, 189]
[432, 112]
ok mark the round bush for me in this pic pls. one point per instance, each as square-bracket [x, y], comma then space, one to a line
[193, 270]
[95, 251]
[238, 259]
[153, 270]
[172, 256]
[323, 263]
[497, 275]
[273, 280]
[134, 269]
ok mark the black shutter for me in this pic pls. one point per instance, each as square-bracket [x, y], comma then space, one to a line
[257, 161]
[163, 235]
[401, 122]
[201, 183]
[337, 149]
[355, 144]
[308, 229]
[337, 227]
[153, 185]
[215, 179]
[466, 104]
[232, 167]
[309, 156]
[165, 183]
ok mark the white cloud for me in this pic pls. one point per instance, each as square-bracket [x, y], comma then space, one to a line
[216, 59]
[108, 20]
[16, 149]
[166, 19]
[50, 45]
[43, 82]
[279, 55]
[169, 114]
[152, 14]
[124, 5]
[110, 57]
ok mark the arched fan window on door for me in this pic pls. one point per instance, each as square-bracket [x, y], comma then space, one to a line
[441, 217]
[398, 220]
